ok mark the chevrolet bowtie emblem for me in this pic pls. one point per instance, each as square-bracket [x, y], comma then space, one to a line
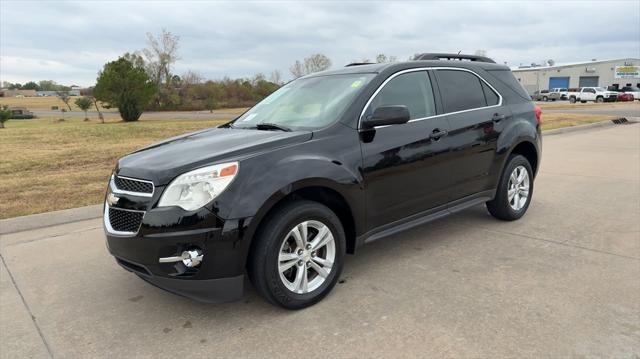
[112, 199]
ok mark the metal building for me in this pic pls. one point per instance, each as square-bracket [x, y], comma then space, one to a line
[616, 73]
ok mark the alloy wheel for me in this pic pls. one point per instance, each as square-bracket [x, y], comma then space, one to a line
[306, 256]
[518, 189]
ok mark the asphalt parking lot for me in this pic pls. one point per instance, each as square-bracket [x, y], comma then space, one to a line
[563, 281]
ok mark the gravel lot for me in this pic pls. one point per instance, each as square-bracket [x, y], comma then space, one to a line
[563, 281]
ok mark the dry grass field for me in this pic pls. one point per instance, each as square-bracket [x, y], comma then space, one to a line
[49, 165]
[41, 103]
[552, 121]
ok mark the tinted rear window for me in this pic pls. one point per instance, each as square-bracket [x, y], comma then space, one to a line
[460, 90]
[490, 95]
[507, 78]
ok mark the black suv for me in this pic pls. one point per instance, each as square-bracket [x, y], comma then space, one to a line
[327, 163]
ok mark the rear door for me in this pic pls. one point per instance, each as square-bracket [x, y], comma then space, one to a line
[476, 118]
[404, 166]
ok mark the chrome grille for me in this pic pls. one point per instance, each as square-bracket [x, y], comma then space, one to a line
[133, 185]
[125, 221]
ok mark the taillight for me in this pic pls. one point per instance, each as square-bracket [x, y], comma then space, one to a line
[538, 112]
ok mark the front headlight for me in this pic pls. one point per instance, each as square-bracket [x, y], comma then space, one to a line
[194, 189]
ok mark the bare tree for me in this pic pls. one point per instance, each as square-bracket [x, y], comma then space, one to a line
[551, 62]
[384, 58]
[161, 54]
[64, 96]
[276, 77]
[191, 78]
[311, 64]
[316, 62]
[297, 69]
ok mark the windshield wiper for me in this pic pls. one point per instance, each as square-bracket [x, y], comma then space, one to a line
[272, 126]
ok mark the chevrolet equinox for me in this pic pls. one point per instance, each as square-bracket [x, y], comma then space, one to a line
[325, 164]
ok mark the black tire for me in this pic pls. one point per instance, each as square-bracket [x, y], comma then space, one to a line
[500, 207]
[572, 100]
[264, 258]
[599, 99]
[545, 99]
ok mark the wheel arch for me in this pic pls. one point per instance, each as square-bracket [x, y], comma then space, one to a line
[529, 151]
[322, 191]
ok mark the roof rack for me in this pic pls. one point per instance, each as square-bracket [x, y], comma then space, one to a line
[359, 64]
[459, 57]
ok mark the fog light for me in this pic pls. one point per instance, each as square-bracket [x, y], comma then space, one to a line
[191, 258]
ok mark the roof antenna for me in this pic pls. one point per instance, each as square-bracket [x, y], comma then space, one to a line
[459, 52]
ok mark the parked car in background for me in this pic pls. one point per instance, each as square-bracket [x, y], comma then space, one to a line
[625, 97]
[595, 94]
[558, 94]
[542, 95]
[635, 91]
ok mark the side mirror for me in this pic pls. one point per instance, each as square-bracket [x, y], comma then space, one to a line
[387, 115]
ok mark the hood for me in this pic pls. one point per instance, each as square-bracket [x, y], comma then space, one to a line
[161, 162]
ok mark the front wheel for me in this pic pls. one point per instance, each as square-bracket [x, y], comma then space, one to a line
[545, 99]
[299, 254]
[599, 100]
[572, 100]
[514, 191]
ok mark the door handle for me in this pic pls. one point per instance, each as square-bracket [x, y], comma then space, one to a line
[437, 134]
[497, 117]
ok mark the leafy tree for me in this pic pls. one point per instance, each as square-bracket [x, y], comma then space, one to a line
[84, 103]
[30, 86]
[5, 115]
[125, 86]
[48, 85]
[64, 96]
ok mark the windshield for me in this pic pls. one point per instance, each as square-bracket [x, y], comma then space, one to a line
[306, 104]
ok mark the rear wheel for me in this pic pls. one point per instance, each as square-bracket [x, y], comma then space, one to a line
[545, 99]
[514, 191]
[572, 100]
[298, 255]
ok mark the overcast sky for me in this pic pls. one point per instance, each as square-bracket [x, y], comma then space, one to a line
[69, 42]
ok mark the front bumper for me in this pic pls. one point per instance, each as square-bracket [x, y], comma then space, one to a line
[204, 290]
[165, 232]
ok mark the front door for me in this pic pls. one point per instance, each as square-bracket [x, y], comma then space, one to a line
[403, 165]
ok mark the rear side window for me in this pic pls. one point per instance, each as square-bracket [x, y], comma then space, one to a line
[507, 78]
[412, 89]
[490, 95]
[460, 90]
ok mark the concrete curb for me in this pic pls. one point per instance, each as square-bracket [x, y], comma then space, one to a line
[47, 219]
[34, 221]
[590, 126]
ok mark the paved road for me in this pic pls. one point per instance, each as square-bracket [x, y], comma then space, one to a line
[563, 281]
[622, 110]
[159, 115]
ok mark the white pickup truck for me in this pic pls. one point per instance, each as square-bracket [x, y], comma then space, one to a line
[595, 94]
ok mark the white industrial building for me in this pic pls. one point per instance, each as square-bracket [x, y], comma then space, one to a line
[615, 73]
